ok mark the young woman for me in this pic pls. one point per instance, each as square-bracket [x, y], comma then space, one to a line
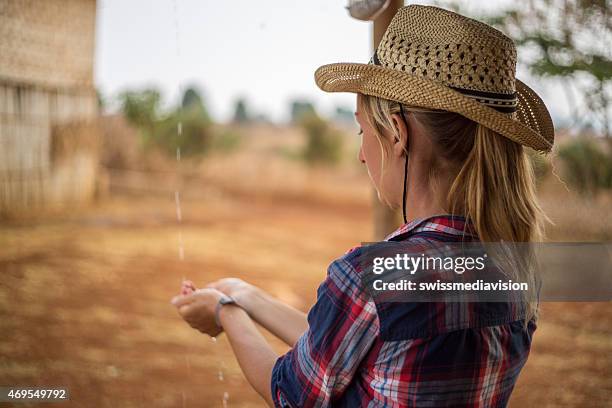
[444, 125]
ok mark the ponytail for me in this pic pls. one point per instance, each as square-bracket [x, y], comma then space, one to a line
[495, 190]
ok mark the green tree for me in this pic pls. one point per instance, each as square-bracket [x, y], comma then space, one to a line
[300, 108]
[323, 143]
[185, 130]
[240, 111]
[193, 102]
[343, 114]
[570, 39]
[141, 108]
[186, 127]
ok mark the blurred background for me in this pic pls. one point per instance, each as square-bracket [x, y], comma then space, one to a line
[143, 142]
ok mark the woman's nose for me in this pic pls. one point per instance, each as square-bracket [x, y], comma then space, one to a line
[361, 156]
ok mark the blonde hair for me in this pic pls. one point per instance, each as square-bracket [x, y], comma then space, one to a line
[493, 183]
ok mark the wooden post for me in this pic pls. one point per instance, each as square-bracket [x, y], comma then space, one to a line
[383, 20]
[385, 219]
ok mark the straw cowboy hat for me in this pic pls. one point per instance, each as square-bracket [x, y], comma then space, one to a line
[435, 58]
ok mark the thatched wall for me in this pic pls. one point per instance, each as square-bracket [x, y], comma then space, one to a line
[46, 87]
[49, 42]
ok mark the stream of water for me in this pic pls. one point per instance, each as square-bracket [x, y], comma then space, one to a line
[179, 218]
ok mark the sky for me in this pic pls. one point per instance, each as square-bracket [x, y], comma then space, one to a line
[264, 51]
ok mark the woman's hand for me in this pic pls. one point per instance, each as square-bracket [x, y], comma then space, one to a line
[284, 321]
[238, 289]
[187, 287]
[198, 309]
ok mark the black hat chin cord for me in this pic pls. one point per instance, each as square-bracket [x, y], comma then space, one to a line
[405, 168]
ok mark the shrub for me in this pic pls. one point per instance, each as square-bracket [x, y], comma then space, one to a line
[300, 109]
[141, 108]
[188, 127]
[226, 141]
[194, 138]
[586, 166]
[324, 143]
[540, 164]
[67, 139]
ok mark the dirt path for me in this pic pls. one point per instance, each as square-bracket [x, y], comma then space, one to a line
[84, 302]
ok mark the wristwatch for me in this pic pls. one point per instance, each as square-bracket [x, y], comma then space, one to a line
[225, 300]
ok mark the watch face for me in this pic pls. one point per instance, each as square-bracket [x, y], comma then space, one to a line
[226, 300]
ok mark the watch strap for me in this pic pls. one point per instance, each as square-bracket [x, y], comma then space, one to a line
[225, 300]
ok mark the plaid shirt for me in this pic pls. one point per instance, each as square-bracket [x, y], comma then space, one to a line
[359, 353]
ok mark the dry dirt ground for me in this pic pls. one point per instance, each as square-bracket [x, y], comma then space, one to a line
[84, 298]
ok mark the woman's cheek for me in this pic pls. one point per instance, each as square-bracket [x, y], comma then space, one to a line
[372, 154]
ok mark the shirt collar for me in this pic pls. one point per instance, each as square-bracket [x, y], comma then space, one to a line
[450, 224]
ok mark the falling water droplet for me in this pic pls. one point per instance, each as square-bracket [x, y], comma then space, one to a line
[178, 159]
[188, 363]
[181, 248]
[179, 214]
[220, 375]
[225, 399]
[213, 339]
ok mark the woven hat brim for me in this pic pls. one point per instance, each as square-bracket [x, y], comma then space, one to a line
[532, 125]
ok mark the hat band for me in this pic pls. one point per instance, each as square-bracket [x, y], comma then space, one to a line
[505, 103]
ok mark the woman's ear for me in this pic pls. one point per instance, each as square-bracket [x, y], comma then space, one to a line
[400, 138]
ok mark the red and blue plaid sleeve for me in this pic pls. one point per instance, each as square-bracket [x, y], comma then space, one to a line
[342, 327]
